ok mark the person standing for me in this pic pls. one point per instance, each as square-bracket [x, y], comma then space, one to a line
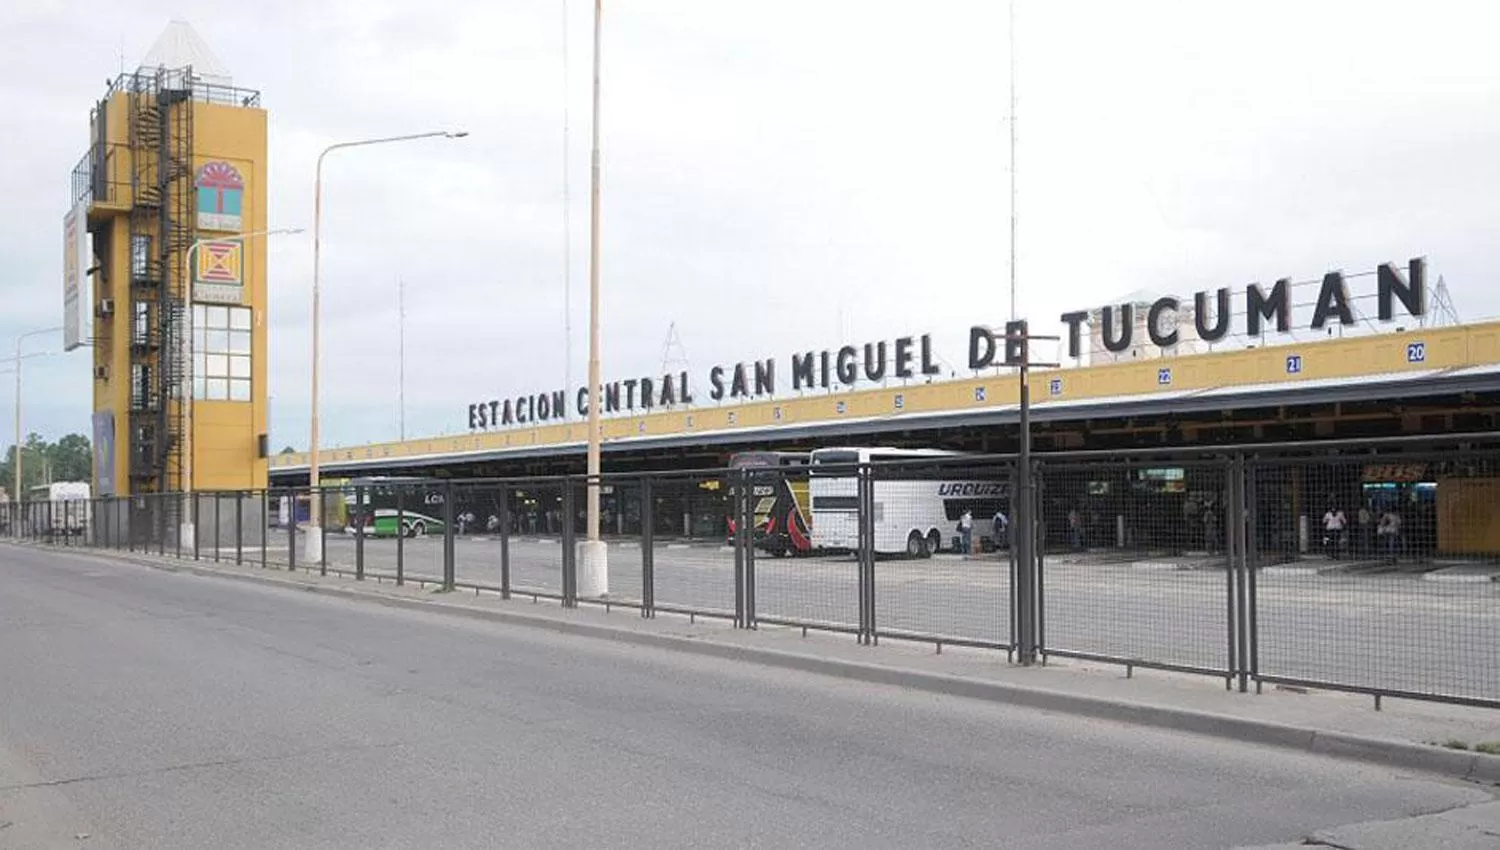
[1334, 523]
[1002, 530]
[1075, 529]
[966, 532]
[1389, 532]
[1364, 544]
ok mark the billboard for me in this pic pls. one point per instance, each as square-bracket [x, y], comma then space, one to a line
[218, 276]
[78, 291]
[104, 453]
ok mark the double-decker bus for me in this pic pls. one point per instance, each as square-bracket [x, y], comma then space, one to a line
[780, 501]
[916, 508]
[391, 506]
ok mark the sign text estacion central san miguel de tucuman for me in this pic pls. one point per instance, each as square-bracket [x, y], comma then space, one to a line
[911, 357]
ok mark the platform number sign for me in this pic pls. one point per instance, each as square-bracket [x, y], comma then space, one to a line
[1294, 364]
[1054, 386]
[842, 407]
[1416, 352]
[1164, 377]
[900, 401]
[979, 394]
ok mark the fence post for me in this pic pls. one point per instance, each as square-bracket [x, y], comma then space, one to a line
[265, 526]
[239, 529]
[322, 521]
[865, 537]
[218, 524]
[648, 550]
[503, 517]
[1026, 545]
[448, 536]
[400, 535]
[752, 617]
[360, 520]
[569, 547]
[1241, 572]
[1233, 520]
[291, 531]
[196, 507]
[1252, 567]
[737, 488]
[1039, 561]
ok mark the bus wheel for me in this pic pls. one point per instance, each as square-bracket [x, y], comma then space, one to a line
[934, 543]
[916, 545]
[417, 529]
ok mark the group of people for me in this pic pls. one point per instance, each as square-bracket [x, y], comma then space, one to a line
[1372, 535]
[1001, 527]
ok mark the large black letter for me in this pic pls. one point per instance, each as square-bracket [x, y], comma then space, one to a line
[802, 370]
[765, 377]
[928, 367]
[1017, 346]
[559, 404]
[1332, 298]
[847, 368]
[739, 385]
[903, 357]
[1413, 296]
[1127, 327]
[1153, 318]
[1221, 315]
[716, 380]
[875, 360]
[668, 391]
[1259, 306]
[1074, 320]
[583, 401]
[629, 393]
[648, 393]
[612, 397]
[981, 347]
[473, 421]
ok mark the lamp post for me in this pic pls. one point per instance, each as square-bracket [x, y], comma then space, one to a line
[18, 358]
[187, 531]
[314, 543]
[593, 577]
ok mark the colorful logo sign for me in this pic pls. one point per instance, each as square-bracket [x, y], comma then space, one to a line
[221, 193]
[220, 262]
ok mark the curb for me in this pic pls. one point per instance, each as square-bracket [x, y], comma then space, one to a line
[1460, 764]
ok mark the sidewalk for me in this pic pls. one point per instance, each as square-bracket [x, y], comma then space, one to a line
[1405, 734]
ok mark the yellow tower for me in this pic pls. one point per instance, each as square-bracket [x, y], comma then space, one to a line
[173, 190]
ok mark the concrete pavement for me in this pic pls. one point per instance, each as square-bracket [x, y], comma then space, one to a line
[146, 708]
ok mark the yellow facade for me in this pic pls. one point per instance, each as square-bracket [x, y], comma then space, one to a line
[1351, 358]
[144, 255]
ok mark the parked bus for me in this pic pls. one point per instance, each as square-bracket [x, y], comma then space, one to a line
[782, 525]
[390, 505]
[916, 509]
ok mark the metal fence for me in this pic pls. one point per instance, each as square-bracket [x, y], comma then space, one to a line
[1361, 567]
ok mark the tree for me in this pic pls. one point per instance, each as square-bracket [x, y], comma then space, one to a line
[288, 451]
[69, 459]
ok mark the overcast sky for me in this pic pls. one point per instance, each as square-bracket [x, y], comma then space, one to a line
[778, 175]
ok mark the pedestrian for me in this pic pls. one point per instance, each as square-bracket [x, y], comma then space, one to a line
[1210, 528]
[965, 532]
[1075, 529]
[1389, 532]
[1364, 544]
[1002, 530]
[1334, 523]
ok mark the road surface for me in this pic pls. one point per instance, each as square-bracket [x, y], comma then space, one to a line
[142, 708]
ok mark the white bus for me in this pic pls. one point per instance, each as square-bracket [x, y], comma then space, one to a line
[916, 516]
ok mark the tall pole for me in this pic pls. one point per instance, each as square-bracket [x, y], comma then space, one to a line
[1012, 160]
[314, 542]
[594, 580]
[401, 352]
[567, 187]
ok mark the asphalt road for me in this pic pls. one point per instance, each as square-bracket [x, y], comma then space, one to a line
[1389, 631]
[149, 709]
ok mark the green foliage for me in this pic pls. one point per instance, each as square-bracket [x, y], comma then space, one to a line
[69, 459]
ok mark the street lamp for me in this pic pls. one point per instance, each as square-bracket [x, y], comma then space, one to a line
[18, 358]
[314, 545]
[187, 531]
[593, 577]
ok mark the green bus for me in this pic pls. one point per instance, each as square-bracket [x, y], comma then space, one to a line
[390, 506]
